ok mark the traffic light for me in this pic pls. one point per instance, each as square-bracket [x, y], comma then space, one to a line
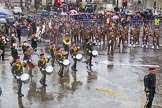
[124, 3]
[58, 3]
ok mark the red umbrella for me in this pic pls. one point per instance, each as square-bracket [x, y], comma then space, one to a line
[73, 12]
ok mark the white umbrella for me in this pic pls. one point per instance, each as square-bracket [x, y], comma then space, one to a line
[2, 20]
[115, 17]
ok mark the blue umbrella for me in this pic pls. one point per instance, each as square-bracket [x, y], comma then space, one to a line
[2, 13]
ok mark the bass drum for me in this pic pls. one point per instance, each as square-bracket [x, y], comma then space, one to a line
[49, 70]
[34, 58]
[79, 57]
[66, 63]
[25, 78]
[94, 53]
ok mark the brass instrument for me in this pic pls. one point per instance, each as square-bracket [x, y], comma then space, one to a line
[67, 40]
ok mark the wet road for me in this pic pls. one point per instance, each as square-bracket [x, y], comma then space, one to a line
[114, 82]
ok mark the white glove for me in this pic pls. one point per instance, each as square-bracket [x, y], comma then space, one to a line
[78, 47]
[89, 51]
[43, 69]
[29, 60]
[48, 57]
[74, 56]
[25, 61]
[17, 77]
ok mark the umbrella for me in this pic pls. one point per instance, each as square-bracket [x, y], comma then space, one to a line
[2, 20]
[115, 17]
[109, 13]
[73, 12]
[2, 13]
[64, 13]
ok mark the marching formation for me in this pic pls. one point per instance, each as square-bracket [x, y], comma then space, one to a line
[74, 34]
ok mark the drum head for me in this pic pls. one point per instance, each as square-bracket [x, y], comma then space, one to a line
[24, 77]
[79, 56]
[66, 62]
[49, 69]
[95, 53]
[35, 58]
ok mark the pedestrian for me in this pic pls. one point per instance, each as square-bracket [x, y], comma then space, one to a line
[2, 47]
[18, 30]
[17, 72]
[42, 65]
[150, 85]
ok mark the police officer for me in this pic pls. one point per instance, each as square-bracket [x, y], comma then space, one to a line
[59, 58]
[17, 72]
[14, 53]
[150, 85]
[34, 42]
[73, 52]
[53, 53]
[42, 65]
[89, 49]
[2, 47]
[156, 21]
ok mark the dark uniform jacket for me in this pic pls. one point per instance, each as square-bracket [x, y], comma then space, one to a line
[150, 82]
[34, 42]
[42, 63]
[14, 52]
[53, 51]
[18, 68]
[73, 51]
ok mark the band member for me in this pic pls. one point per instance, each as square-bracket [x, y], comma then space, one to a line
[121, 36]
[2, 47]
[89, 49]
[42, 65]
[53, 53]
[111, 41]
[59, 58]
[66, 44]
[73, 52]
[156, 37]
[14, 53]
[12, 39]
[24, 46]
[145, 38]
[17, 72]
[27, 55]
[150, 85]
[34, 42]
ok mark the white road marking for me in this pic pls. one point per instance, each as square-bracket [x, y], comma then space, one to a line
[127, 64]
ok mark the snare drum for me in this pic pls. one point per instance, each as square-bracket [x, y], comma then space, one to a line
[94, 53]
[25, 78]
[79, 57]
[66, 63]
[49, 70]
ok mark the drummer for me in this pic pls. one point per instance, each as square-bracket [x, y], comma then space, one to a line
[73, 52]
[59, 58]
[42, 65]
[17, 68]
[53, 53]
[27, 54]
[89, 49]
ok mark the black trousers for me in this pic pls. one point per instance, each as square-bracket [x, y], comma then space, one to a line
[19, 82]
[60, 72]
[43, 79]
[75, 63]
[3, 53]
[150, 99]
